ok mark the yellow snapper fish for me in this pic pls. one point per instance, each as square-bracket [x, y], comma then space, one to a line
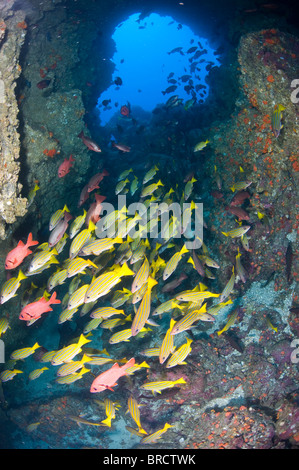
[110, 408]
[124, 174]
[214, 309]
[179, 356]
[92, 325]
[24, 352]
[172, 264]
[133, 409]
[231, 321]
[276, 119]
[158, 386]
[150, 174]
[186, 322]
[32, 194]
[78, 297]
[152, 438]
[120, 297]
[229, 286]
[32, 426]
[189, 188]
[143, 311]
[104, 283]
[77, 265]
[69, 379]
[167, 346]
[139, 294]
[148, 190]
[77, 224]
[237, 232]
[37, 373]
[66, 315]
[131, 370]
[120, 186]
[141, 276]
[56, 279]
[72, 367]
[67, 353]
[10, 287]
[80, 420]
[9, 374]
[4, 325]
[123, 335]
[201, 145]
[56, 217]
[240, 185]
[240, 268]
[80, 239]
[96, 247]
[106, 312]
[41, 258]
[134, 186]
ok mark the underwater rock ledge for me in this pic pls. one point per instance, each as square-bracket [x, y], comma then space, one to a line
[12, 36]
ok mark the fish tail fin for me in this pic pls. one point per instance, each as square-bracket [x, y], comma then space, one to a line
[225, 233]
[30, 241]
[107, 422]
[83, 340]
[81, 134]
[71, 159]
[180, 381]
[21, 275]
[125, 271]
[53, 299]
[140, 429]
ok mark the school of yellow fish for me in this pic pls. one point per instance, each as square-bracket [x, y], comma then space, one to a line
[145, 265]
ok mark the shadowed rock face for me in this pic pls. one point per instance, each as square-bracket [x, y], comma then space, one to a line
[12, 37]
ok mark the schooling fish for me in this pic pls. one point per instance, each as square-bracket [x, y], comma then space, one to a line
[179, 356]
[276, 119]
[156, 387]
[108, 379]
[151, 438]
[10, 287]
[24, 352]
[90, 144]
[133, 409]
[67, 353]
[15, 257]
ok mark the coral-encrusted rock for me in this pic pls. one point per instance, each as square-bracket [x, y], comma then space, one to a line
[12, 35]
[287, 425]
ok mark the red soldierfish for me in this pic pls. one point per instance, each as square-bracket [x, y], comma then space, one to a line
[239, 198]
[95, 210]
[170, 286]
[91, 144]
[43, 84]
[65, 166]
[37, 308]
[95, 180]
[15, 257]
[58, 232]
[239, 212]
[125, 110]
[83, 196]
[109, 378]
[122, 147]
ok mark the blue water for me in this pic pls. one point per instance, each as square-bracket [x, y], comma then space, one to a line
[143, 62]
